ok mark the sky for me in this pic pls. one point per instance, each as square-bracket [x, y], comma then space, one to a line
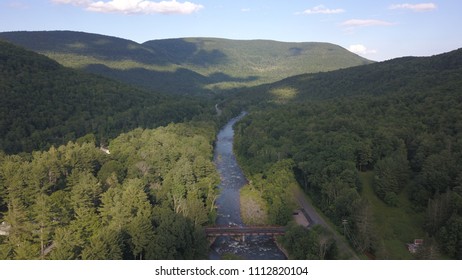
[378, 30]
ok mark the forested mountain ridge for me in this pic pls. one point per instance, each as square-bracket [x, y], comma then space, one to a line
[400, 75]
[44, 103]
[147, 197]
[377, 147]
[81, 43]
[263, 60]
[186, 65]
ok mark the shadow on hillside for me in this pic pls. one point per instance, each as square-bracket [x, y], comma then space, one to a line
[86, 44]
[180, 51]
[182, 81]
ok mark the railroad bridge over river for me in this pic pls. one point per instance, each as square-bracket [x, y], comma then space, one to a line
[242, 232]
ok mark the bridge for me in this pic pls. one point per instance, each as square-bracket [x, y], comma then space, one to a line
[238, 231]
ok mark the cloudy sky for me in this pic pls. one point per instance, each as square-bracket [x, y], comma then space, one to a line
[378, 30]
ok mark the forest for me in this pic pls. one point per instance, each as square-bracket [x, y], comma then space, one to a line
[64, 196]
[147, 199]
[44, 103]
[406, 138]
[93, 168]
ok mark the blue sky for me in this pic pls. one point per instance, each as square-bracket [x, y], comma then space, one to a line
[378, 30]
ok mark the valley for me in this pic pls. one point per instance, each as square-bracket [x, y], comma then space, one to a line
[374, 145]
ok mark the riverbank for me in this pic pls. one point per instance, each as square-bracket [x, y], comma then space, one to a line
[228, 205]
[254, 211]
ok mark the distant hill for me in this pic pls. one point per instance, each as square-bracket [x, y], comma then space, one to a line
[397, 76]
[84, 44]
[44, 103]
[262, 60]
[188, 65]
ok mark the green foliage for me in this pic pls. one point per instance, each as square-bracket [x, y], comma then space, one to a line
[382, 229]
[254, 209]
[44, 103]
[313, 244]
[399, 118]
[175, 237]
[77, 202]
[106, 244]
[450, 236]
[186, 66]
[275, 187]
[392, 175]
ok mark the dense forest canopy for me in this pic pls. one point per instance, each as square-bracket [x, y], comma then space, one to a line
[398, 120]
[146, 200]
[44, 103]
[147, 197]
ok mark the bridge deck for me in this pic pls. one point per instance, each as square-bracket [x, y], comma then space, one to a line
[242, 231]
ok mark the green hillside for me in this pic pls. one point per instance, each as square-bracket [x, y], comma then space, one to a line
[62, 197]
[84, 44]
[44, 103]
[255, 61]
[189, 65]
[396, 123]
[407, 74]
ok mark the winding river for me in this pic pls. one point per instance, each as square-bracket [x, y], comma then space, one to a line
[232, 180]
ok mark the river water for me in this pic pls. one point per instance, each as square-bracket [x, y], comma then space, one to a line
[232, 180]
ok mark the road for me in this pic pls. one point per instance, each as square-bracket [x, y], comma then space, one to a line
[316, 219]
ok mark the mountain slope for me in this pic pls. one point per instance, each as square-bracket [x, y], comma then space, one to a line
[45, 103]
[262, 59]
[189, 65]
[401, 75]
[377, 148]
[86, 44]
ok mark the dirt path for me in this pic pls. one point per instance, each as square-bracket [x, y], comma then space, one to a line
[345, 250]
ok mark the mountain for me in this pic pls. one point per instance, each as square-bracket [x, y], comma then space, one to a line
[44, 103]
[396, 76]
[84, 44]
[262, 60]
[187, 65]
[377, 148]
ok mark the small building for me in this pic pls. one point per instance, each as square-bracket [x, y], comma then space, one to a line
[414, 247]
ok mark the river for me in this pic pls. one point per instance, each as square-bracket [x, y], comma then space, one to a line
[228, 204]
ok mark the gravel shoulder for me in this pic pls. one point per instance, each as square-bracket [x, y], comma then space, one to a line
[346, 252]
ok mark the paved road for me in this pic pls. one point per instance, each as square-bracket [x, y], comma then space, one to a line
[315, 219]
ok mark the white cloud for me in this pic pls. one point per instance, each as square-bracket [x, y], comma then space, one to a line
[361, 49]
[321, 9]
[245, 10]
[135, 6]
[365, 22]
[422, 7]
